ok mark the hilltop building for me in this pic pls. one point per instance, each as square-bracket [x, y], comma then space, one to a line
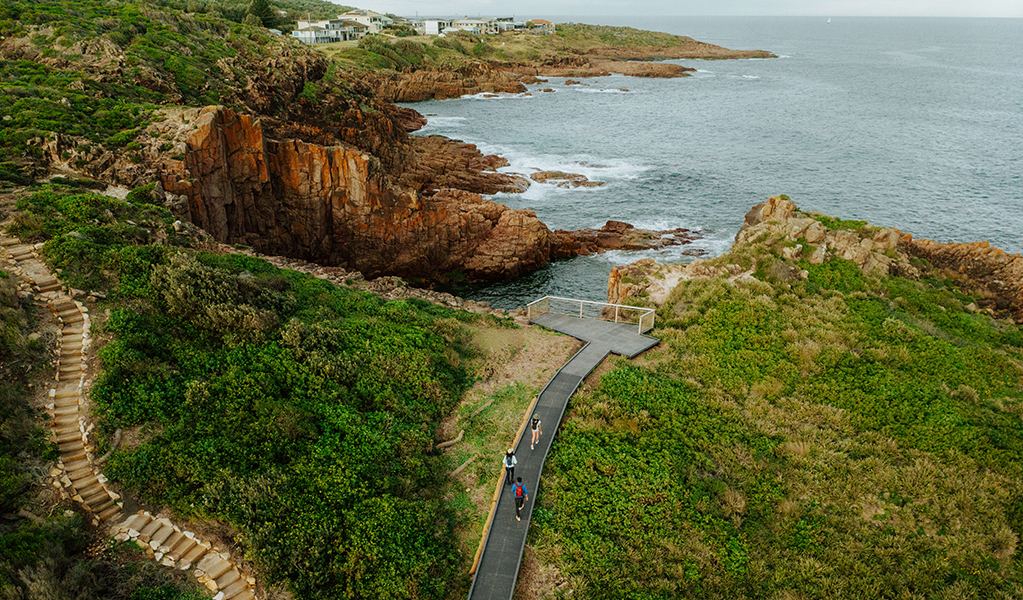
[328, 31]
[373, 20]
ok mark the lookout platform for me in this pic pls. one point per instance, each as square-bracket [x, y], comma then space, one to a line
[505, 538]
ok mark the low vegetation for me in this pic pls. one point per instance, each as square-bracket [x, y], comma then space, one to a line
[844, 436]
[299, 412]
[43, 552]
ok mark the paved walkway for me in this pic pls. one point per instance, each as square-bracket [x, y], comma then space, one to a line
[499, 566]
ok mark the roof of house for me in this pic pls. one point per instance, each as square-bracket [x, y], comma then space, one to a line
[313, 28]
[541, 22]
[363, 13]
[350, 23]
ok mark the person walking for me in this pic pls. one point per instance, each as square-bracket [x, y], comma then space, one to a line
[534, 425]
[521, 496]
[509, 465]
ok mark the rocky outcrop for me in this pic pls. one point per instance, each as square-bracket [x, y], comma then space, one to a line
[439, 163]
[652, 281]
[564, 180]
[597, 67]
[615, 235]
[777, 223]
[336, 205]
[466, 80]
[994, 273]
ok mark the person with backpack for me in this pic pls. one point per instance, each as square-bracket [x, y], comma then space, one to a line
[509, 465]
[521, 495]
[534, 425]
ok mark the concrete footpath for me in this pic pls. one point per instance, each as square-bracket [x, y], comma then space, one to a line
[499, 564]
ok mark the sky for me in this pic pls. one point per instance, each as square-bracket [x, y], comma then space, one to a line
[825, 8]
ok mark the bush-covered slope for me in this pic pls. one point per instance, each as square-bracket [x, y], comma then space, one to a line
[298, 412]
[96, 72]
[839, 436]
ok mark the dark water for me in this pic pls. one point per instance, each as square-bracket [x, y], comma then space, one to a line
[911, 123]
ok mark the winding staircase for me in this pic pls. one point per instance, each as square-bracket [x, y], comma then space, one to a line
[79, 477]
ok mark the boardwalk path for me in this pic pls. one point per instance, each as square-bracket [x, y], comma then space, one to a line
[499, 565]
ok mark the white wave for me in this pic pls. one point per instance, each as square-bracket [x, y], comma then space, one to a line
[784, 56]
[520, 160]
[751, 76]
[495, 96]
[606, 91]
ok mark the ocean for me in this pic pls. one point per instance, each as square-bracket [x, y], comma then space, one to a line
[913, 123]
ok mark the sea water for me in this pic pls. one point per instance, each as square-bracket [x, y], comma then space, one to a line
[906, 122]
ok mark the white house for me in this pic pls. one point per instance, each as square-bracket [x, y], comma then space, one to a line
[373, 20]
[328, 31]
[435, 26]
[477, 26]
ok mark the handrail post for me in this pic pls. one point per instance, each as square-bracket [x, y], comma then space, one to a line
[580, 309]
[616, 313]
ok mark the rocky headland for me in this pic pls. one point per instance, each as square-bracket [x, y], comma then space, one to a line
[306, 159]
[775, 237]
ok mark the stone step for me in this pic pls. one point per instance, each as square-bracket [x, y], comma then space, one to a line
[196, 553]
[214, 565]
[236, 587]
[81, 473]
[157, 539]
[182, 547]
[74, 317]
[110, 512]
[246, 594]
[64, 304]
[170, 542]
[67, 342]
[66, 410]
[87, 482]
[72, 368]
[69, 450]
[76, 465]
[67, 403]
[135, 522]
[153, 526]
[96, 497]
[228, 578]
[64, 421]
[68, 436]
[69, 354]
[49, 287]
[67, 391]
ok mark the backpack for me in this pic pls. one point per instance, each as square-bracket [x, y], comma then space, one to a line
[518, 490]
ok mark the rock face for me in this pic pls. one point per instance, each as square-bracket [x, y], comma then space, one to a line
[997, 274]
[440, 163]
[469, 79]
[615, 235]
[564, 180]
[871, 248]
[335, 205]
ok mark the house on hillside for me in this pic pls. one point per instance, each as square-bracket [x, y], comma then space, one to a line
[543, 26]
[482, 26]
[328, 31]
[435, 26]
[373, 20]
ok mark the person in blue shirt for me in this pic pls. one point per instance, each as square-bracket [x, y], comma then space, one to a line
[521, 495]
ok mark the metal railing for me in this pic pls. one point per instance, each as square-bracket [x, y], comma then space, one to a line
[586, 309]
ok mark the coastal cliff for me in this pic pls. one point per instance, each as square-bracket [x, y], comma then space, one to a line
[336, 205]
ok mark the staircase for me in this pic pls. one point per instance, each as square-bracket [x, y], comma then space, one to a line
[80, 480]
